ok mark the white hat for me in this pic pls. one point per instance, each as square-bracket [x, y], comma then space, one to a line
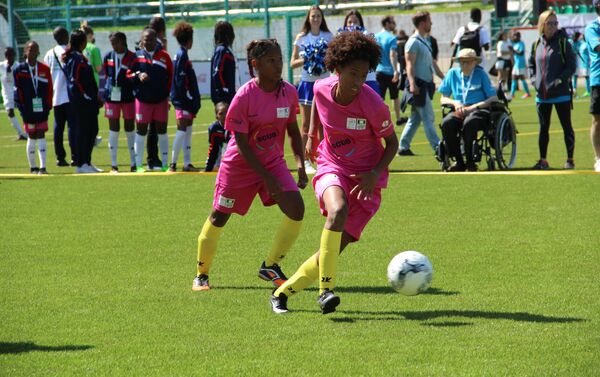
[467, 54]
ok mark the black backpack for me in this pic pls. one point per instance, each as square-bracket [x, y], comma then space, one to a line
[470, 39]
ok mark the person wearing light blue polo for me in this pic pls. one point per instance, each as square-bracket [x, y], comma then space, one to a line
[468, 89]
[386, 72]
[419, 70]
[592, 39]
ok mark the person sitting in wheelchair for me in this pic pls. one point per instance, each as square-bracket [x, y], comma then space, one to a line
[472, 94]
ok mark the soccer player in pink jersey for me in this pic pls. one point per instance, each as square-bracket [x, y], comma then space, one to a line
[261, 112]
[352, 163]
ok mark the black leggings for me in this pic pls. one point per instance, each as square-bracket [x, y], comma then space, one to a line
[453, 128]
[563, 110]
[85, 131]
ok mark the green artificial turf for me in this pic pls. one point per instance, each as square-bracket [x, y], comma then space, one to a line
[96, 271]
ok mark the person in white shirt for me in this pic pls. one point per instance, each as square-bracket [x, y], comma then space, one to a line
[7, 67]
[474, 25]
[504, 60]
[309, 53]
[60, 99]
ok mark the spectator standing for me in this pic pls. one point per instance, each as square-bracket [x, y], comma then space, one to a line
[152, 75]
[118, 98]
[503, 59]
[309, 53]
[420, 67]
[83, 96]
[33, 97]
[154, 161]
[592, 40]
[223, 64]
[7, 67]
[185, 97]
[472, 35]
[583, 65]
[519, 71]
[63, 114]
[94, 57]
[552, 63]
[387, 70]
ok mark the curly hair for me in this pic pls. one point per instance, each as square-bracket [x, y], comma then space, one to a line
[351, 46]
[259, 48]
[183, 32]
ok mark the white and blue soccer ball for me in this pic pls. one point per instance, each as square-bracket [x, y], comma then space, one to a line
[410, 273]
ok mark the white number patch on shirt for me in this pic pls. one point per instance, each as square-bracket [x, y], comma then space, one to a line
[356, 124]
[283, 112]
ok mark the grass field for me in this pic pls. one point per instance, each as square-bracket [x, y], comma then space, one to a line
[95, 273]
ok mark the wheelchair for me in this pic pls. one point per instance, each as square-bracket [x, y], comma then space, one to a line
[498, 143]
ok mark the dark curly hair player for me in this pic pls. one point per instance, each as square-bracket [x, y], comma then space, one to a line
[352, 163]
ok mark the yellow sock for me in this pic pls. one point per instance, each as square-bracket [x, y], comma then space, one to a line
[331, 243]
[304, 277]
[284, 239]
[207, 246]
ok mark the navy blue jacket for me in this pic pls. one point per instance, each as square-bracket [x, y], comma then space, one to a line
[217, 138]
[551, 60]
[222, 77]
[160, 69]
[112, 78]
[81, 84]
[185, 94]
[24, 92]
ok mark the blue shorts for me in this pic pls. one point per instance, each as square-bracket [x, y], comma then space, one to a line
[305, 93]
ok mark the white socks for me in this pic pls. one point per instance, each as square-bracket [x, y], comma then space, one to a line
[163, 146]
[17, 126]
[31, 152]
[187, 147]
[41, 147]
[131, 146]
[140, 145]
[177, 144]
[113, 145]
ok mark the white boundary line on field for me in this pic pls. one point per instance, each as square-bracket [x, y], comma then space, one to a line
[165, 174]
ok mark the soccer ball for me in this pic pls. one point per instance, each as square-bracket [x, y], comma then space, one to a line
[410, 273]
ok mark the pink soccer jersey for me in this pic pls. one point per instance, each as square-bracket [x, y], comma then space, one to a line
[264, 118]
[352, 134]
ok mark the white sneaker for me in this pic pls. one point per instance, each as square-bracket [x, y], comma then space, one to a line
[308, 168]
[85, 169]
[96, 170]
[98, 141]
[597, 166]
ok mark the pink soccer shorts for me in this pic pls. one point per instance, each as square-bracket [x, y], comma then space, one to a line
[360, 212]
[113, 110]
[183, 114]
[238, 200]
[148, 112]
[32, 127]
